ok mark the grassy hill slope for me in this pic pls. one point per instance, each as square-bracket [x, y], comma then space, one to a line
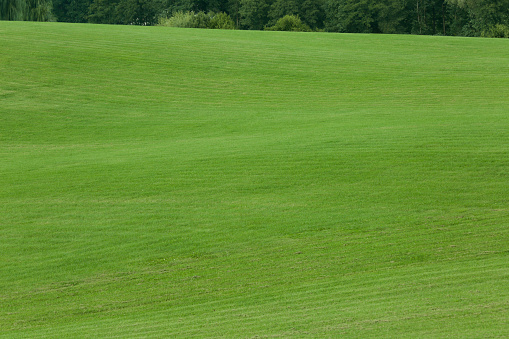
[175, 182]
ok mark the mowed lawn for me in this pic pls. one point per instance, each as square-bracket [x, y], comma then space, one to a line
[160, 182]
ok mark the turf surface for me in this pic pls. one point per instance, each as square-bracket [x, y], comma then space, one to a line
[179, 182]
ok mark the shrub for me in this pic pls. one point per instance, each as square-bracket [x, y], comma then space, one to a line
[221, 21]
[289, 23]
[201, 20]
[198, 20]
[179, 19]
[497, 31]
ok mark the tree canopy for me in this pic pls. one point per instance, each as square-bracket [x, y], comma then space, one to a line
[29, 10]
[444, 17]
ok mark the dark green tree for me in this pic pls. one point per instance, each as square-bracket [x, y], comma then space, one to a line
[103, 12]
[431, 17]
[12, 9]
[253, 13]
[353, 16]
[138, 12]
[280, 8]
[457, 19]
[173, 6]
[312, 13]
[29, 10]
[38, 10]
[486, 14]
[71, 10]
[233, 9]
[368, 16]
[391, 16]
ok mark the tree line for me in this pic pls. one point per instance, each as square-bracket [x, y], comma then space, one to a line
[433, 17]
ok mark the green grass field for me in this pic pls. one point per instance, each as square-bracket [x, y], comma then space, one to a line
[159, 182]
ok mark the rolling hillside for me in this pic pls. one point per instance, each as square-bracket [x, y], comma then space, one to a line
[202, 183]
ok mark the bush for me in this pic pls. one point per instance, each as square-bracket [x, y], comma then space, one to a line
[289, 23]
[179, 19]
[497, 31]
[221, 21]
[198, 20]
[201, 20]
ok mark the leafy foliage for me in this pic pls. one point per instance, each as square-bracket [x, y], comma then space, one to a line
[289, 23]
[311, 12]
[179, 19]
[39, 10]
[497, 31]
[434, 17]
[350, 16]
[103, 12]
[253, 13]
[198, 20]
[221, 21]
[71, 10]
[280, 8]
[12, 9]
[127, 12]
[29, 10]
